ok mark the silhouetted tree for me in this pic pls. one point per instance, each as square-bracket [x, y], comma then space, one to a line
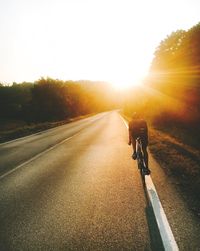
[49, 100]
[175, 71]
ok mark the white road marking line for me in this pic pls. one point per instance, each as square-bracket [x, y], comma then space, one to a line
[37, 133]
[166, 234]
[36, 157]
[167, 237]
[25, 137]
[125, 122]
[48, 130]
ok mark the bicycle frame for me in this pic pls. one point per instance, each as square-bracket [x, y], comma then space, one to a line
[140, 156]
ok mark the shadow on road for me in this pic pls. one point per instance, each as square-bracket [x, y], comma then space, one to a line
[155, 238]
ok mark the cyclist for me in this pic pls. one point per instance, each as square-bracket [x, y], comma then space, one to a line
[138, 128]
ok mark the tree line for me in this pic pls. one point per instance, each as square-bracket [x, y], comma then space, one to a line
[175, 72]
[51, 100]
[172, 88]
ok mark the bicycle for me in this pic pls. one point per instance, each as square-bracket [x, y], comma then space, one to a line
[140, 158]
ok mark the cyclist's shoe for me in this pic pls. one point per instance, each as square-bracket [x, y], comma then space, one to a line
[147, 171]
[134, 156]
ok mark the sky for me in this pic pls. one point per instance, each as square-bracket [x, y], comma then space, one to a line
[104, 40]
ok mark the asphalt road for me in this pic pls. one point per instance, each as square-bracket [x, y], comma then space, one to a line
[84, 193]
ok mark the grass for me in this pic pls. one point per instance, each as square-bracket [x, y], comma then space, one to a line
[179, 155]
[13, 129]
[180, 160]
[189, 136]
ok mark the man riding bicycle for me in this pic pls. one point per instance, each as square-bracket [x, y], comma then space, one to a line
[138, 128]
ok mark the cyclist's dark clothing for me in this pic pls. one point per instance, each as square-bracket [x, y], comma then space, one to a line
[138, 128]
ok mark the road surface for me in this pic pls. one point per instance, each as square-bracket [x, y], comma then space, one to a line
[75, 187]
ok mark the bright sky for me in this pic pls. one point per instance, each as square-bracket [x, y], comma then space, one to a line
[110, 40]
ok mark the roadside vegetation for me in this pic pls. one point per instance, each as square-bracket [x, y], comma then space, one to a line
[31, 107]
[170, 102]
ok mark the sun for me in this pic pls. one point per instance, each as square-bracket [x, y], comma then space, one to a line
[123, 83]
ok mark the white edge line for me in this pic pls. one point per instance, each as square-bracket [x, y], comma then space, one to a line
[36, 157]
[167, 237]
[125, 122]
[166, 234]
[30, 135]
[44, 131]
[37, 133]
